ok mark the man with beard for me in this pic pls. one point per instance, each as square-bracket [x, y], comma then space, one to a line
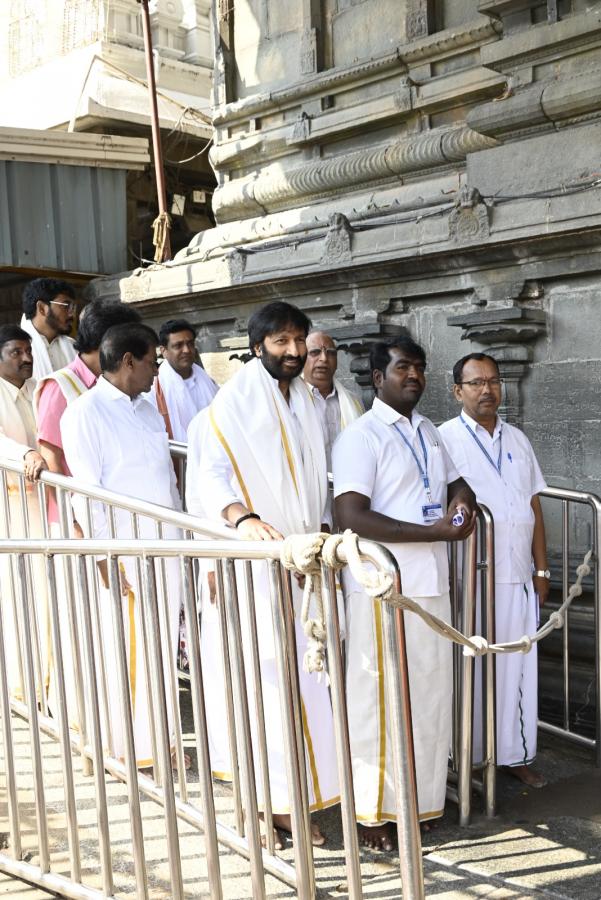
[395, 483]
[18, 442]
[498, 462]
[48, 309]
[182, 388]
[263, 470]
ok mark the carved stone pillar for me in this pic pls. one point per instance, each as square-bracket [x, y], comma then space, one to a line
[357, 340]
[508, 333]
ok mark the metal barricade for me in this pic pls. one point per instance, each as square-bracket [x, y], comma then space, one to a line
[564, 502]
[72, 687]
[473, 612]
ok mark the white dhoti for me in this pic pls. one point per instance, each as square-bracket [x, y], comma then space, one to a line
[430, 680]
[322, 778]
[516, 614]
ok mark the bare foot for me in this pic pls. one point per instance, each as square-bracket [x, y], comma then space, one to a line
[526, 775]
[378, 837]
[427, 826]
[283, 823]
[187, 762]
[278, 838]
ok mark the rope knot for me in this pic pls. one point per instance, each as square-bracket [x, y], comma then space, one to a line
[478, 646]
[526, 644]
[556, 619]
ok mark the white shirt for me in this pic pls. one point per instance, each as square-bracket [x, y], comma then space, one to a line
[48, 356]
[17, 423]
[329, 414]
[119, 444]
[508, 495]
[371, 458]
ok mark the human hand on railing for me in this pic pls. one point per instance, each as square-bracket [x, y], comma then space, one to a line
[124, 584]
[34, 464]
[542, 586]
[257, 530]
[444, 530]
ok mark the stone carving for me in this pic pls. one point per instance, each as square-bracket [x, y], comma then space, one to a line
[337, 245]
[302, 128]
[308, 51]
[417, 23]
[236, 264]
[469, 220]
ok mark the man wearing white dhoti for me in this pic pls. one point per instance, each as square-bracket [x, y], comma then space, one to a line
[114, 439]
[336, 405]
[182, 388]
[263, 470]
[499, 464]
[18, 443]
[48, 309]
[395, 483]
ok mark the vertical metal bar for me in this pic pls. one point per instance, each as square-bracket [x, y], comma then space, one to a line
[63, 720]
[295, 761]
[89, 655]
[200, 728]
[41, 489]
[398, 701]
[455, 618]
[157, 773]
[6, 528]
[133, 794]
[172, 685]
[34, 731]
[597, 601]
[464, 780]
[34, 598]
[565, 584]
[245, 742]
[152, 603]
[489, 774]
[7, 738]
[249, 603]
[229, 697]
[341, 734]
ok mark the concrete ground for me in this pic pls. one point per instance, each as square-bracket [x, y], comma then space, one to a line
[543, 843]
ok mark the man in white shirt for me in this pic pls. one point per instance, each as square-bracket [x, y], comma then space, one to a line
[48, 309]
[336, 405]
[18, 443]
[263, 470]
[395, 483]
[115, 439]
[182, 387]
[498, 463]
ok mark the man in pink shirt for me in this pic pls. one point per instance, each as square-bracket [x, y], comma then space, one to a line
[54, 393]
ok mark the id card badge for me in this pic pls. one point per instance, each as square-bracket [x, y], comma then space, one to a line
[431, 512]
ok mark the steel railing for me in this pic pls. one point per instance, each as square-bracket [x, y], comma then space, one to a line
[78, 604]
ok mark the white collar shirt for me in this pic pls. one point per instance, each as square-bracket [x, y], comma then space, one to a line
[330, 417]
[371, 458]
[507, 494]
[119, 444]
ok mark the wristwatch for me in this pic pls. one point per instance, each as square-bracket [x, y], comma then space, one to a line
[543, 573]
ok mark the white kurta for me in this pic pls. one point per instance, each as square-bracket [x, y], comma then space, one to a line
[371, 458]
[185, 397]
[508, 495]
[120, 444]
[17, 437]
[48, 356]
[258, 459]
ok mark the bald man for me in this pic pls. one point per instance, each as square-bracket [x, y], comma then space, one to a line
[337, 406]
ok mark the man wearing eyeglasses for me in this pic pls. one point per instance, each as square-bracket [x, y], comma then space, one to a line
[48, 310]
[498, 463]
[337, 406]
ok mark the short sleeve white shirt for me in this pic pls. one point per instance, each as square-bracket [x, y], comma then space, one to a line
[371, 458]
[507, 494]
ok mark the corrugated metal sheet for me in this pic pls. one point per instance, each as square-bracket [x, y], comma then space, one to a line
[63, 217]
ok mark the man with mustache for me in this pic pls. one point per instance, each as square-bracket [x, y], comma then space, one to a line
[48, 309]
[394, 483]
[263, 470]
[499, 464]
[18, 442]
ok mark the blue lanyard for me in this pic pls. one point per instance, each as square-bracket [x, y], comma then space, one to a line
[423, 472]
[497, 464]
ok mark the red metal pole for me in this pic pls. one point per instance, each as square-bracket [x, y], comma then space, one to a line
[156, 136]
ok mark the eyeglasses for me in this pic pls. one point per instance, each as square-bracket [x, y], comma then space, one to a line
[330, 352]
[483, 382]
[72, 306]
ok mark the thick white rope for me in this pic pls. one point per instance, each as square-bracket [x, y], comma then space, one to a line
[303, 553]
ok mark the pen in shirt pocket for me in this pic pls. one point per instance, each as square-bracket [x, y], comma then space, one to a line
[509, 457]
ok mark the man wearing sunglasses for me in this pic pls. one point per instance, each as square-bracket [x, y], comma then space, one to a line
[498, 463]
[48, 310]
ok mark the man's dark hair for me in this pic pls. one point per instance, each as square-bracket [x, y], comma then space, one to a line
[172, 327]
[275, 317]
[379, 355]
[44, 289]
[12, 333]
[118, 340]
[478, 357]
[97, 318]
